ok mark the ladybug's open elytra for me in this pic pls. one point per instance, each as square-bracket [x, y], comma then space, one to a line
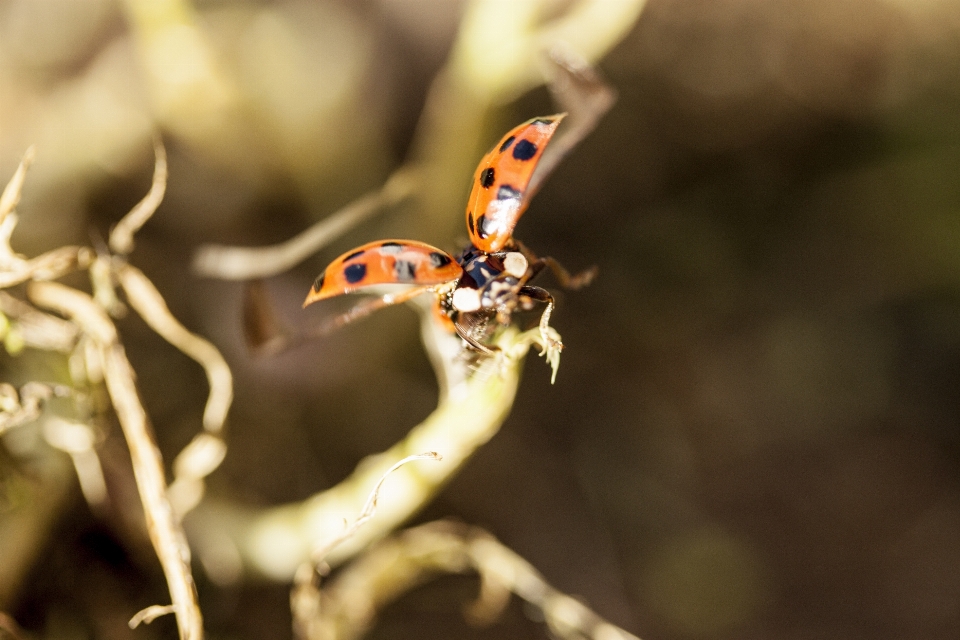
[479, 289]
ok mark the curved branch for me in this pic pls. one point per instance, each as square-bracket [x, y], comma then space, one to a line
[163, 525]
[247, 263]
[121, 237]
[350, 601]
[273, 542]
[149, 304]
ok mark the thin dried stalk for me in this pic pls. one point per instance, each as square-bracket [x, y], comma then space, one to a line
[47, 266]
[151, 613]
[247, 263]
[121, 238]
[163, 525]
[149, 304]
[37, 329]
[11, 193]
[79, 440]
[15, 269]
[394, 566]
[305, 596]
[17, 409]
[93, 327]
[369, 508]
[194, 463]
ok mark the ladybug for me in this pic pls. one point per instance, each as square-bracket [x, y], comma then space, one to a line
[478, 290]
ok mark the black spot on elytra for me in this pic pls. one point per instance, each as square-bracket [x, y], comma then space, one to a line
[470, 222]
[506, 143]
[542, 121]
[354, 255]
[438, 260]
[318, 283]
[481, 227]
[487, 176]
[404, 270]
[524, 150]
[506, 192]
[354, 273]
[391, 248]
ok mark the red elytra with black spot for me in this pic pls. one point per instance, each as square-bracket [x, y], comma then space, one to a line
[496, 202]
[497, 199]
[385, 262]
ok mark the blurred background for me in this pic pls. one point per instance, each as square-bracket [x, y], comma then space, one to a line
[755, 429]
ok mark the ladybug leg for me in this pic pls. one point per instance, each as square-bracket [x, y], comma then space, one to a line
[564, 277]
[542, 295]
[365, 308]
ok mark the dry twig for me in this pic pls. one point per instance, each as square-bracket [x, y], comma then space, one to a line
[17, 409]
[246, 263]
[11, 193]
[305, 596]
[121, 238]
[350, 601]
[275, 541]
[163, 525]
[34, 328]
[149, 304]
[205, 453]
[15, 269]
[89, 327]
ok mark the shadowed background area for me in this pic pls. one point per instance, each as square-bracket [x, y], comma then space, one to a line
[755, 429]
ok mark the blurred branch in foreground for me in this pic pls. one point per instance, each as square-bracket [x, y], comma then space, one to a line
[95, 341]
[231, 539]
[349, 603]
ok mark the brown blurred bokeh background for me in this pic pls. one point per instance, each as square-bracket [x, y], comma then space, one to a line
[755, 429]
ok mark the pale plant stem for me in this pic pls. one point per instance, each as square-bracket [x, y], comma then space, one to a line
[245, 263]
[305, 595]
[121, 237]
[273, 542]
[163, 525]
[149, 304]
[350, 601]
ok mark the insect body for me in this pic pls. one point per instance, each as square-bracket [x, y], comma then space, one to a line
[479, 289]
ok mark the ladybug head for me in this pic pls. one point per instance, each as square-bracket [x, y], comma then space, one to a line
[490, 281]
